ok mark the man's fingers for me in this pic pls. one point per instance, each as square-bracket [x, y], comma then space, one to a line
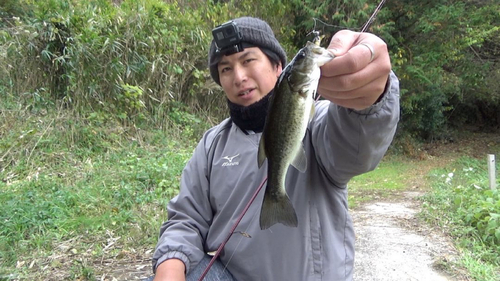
[351, 82]
[354, 51]
[354, 60]
[357, 76]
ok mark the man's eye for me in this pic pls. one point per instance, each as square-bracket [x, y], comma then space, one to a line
[225, 69]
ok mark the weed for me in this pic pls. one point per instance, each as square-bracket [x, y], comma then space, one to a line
[81, 271]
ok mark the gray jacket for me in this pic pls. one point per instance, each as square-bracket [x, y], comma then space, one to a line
[222, 176]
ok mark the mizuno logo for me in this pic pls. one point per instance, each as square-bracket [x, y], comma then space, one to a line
[229, 161]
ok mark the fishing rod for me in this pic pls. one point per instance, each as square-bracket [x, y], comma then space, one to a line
[373, 16]
[231, 232]
[235, 225]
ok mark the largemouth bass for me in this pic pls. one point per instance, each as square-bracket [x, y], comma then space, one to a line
[291, 109]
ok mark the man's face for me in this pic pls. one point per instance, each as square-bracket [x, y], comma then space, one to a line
[247, 76]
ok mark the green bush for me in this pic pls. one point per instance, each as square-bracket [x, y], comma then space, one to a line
[444, 55]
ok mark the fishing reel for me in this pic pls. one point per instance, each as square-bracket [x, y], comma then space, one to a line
[228, 38]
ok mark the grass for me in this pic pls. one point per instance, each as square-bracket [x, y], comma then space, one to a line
[389, 177]
[74, 191]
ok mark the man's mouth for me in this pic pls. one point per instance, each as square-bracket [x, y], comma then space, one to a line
[246, 92]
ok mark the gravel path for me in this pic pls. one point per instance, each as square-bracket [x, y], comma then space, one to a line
[392, 245]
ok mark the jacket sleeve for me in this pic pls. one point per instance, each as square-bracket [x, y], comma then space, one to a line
[348, 142]
[189, 215]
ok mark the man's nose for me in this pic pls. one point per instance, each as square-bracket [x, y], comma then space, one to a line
[240, 75]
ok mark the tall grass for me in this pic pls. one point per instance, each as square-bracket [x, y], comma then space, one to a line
[88, 54]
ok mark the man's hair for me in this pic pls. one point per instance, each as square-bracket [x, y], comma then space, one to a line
[255, 33]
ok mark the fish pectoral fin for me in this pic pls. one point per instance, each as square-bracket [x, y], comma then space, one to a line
[261, 156]
[300, 160]
[312, 112]
[277, 211]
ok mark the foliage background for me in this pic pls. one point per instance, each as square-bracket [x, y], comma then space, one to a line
[147, 58]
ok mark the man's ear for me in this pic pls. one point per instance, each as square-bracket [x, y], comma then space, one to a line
[279, 69]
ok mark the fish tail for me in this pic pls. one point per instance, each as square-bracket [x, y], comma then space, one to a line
[277, 211]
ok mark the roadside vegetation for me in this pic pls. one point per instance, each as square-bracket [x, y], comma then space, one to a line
[102, 102]
[462, 205]
[456, 197]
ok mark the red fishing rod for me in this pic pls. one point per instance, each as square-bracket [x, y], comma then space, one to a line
[221, 247]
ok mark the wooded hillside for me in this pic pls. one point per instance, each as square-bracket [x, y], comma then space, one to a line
[146, 59]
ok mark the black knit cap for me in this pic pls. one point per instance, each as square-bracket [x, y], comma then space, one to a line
[255, 32]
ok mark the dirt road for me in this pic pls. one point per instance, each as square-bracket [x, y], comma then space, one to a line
[392, 245]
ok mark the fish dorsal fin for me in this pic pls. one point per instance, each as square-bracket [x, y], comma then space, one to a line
[262, 152]
[300, 161]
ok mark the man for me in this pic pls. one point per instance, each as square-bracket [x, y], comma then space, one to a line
[348, 135]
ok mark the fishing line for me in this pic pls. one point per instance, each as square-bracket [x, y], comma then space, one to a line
[316, 20]
[219, 250]
[365, 26]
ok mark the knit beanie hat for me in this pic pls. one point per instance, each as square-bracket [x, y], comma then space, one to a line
[255, 32]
